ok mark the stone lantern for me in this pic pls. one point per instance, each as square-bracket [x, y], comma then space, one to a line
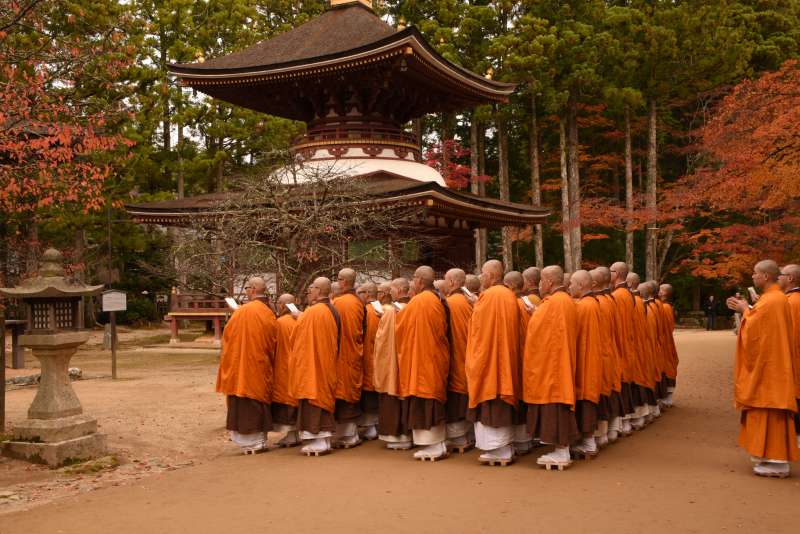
[56, 431]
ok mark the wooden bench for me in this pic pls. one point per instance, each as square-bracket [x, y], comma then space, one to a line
[194, 307]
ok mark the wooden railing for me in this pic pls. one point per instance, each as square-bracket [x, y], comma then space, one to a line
[195, 302]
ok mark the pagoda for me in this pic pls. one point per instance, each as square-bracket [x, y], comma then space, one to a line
[356, 81]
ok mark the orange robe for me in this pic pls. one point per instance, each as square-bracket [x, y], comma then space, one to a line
[368, 379]
[280, 390]
[654, 363]
[423, 349]
[248, 351]
[350, 365]
[644, 354]
[460, 315]
[764, 387]
[315, 349]
[612, 370]
[589, 355]
[625, 308]
[794, 302]
[524, 318]
[493, 357]
[671, 369]
[385, 378]
[550, 352]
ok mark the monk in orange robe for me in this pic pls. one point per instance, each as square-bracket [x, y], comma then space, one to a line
[422, 335]
[313, 369]
[764, 388]
[245, 373]
[350, 364]
[643, 385]
[549, 369]
[589, 361]
[609, 408]
[514, 280]
[284, 406]
[459, 429]
[654, 318]
[790, 284]
[493, 367]
[368, 422]
[625, 307]
[392, 410]
[532, 276]
[665, 293]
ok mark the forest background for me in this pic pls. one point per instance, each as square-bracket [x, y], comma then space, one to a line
[666, 134]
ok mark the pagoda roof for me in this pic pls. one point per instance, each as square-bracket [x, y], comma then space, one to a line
[347, 38]
[384, 189]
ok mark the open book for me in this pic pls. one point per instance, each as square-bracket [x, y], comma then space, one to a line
[232, 304]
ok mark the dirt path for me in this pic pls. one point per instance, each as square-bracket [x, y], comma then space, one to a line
[681, 474]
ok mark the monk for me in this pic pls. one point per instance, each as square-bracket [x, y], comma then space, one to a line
[384, 293]
[392, 410]
[532, 276]
[245, 374]
[643, 385]
[589, 361]
[665, 294]
[473, 285]
[458, 430]
[790, 284]
[440, 286]
[549, 369]
[350, 364]
[654, 318]
[764, 389]
[284, 406]
[361, 293]
[422, 336]
[625, 307]
[609, 408]
[312, 368]
[513, 280]
[493, 367]
[368, 423]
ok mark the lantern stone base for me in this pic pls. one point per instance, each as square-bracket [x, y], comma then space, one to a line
[56, 442]
[59, 453]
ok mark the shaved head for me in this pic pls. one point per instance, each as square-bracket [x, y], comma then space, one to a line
[619, 272]
[319, 289]
[258, 284]
[441, 286]
[473, 283]
[423, 278]
[491, 273]
[531, 276]
[384, 292]
[552, 279]
[580, 283]
[336, 289]
[367, 291]
[597, 279]
[790, 277]
[764, 273]
[346, 279]
[454, 280]
[283, 300]
[646, 290]
[665, 292]
[633, 281]
[605, 275]
[399, 288]
[513, 281]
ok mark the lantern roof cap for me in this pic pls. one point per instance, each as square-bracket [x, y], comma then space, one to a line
[50, 282]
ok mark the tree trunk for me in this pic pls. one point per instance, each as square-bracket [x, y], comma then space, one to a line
[502, 155]
[181, 184]
[166, 125]
[651, 254]
[484, 233]
[536, 190]
[566, 232]
[574, 185]
[475, 186]
[416, 128]
[32, 246]
[628, 190]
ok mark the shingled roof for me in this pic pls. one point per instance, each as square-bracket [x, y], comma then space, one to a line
[355, 25]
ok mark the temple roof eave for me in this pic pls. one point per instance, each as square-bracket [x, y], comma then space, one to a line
[408, 42]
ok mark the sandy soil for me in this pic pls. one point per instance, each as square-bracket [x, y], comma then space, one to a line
[681, 474]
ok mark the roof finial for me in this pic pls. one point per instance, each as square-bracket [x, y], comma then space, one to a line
[366, 3]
